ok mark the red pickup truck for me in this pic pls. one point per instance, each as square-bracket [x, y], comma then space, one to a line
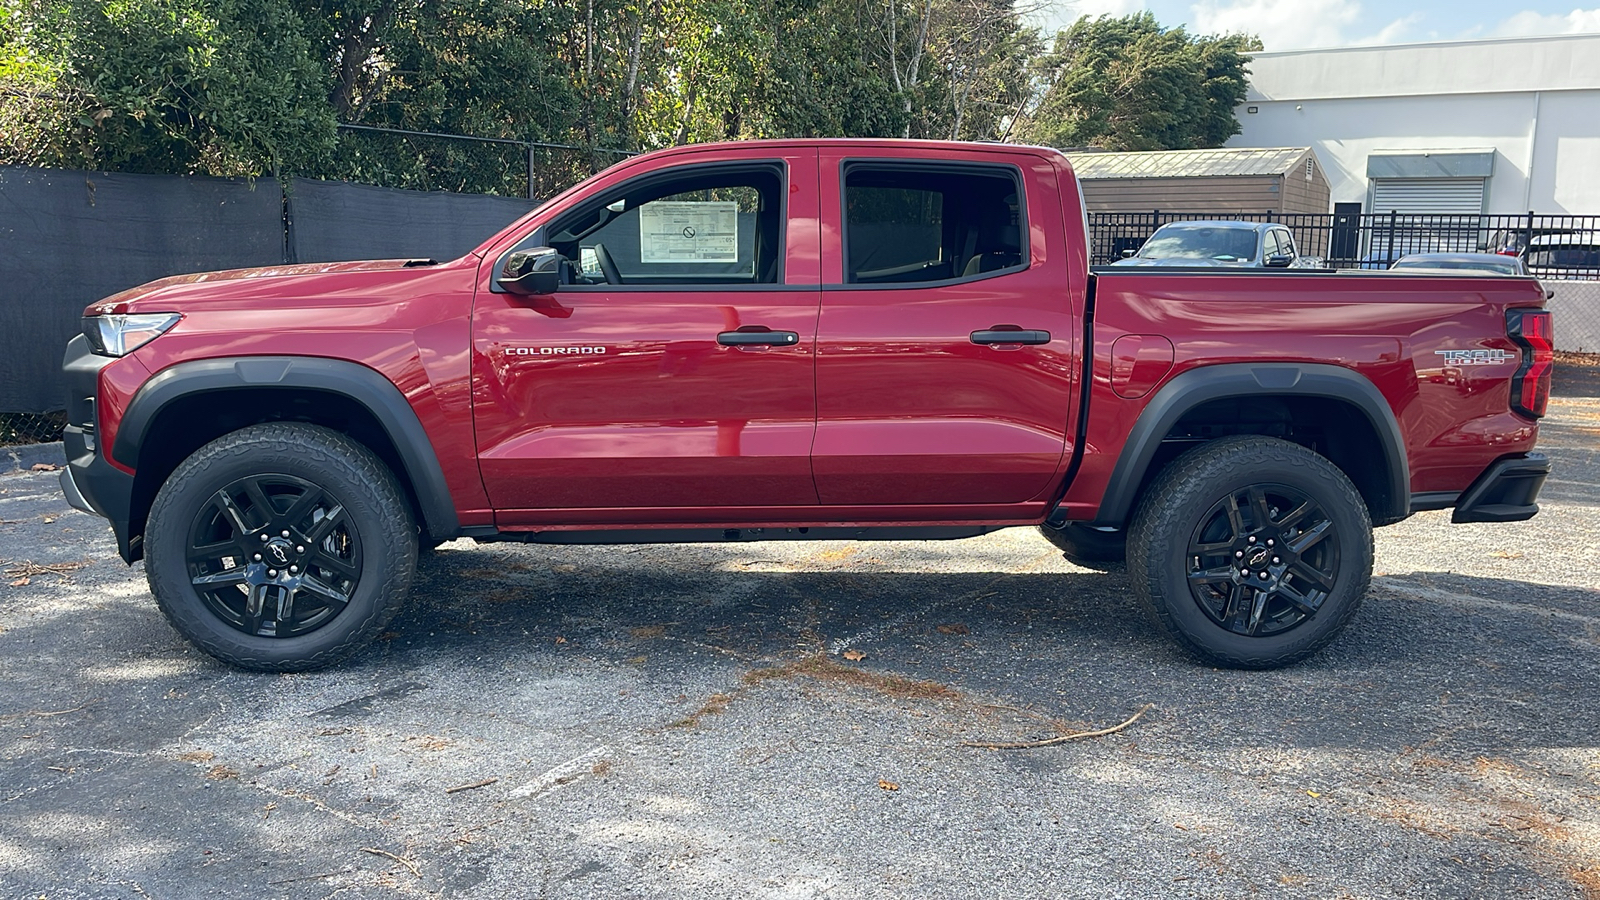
[792, 340]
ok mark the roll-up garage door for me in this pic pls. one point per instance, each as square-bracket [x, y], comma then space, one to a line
[1428, 196]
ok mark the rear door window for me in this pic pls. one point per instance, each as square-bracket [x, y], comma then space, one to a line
[926, 225]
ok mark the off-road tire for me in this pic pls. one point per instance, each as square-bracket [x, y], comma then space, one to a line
[1192, 492]
[1088, 547]
[373, 514]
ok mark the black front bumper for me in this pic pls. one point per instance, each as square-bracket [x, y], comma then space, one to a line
[1505, 492]
[90, 482]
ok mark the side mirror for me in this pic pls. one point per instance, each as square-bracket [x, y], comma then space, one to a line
[533, 271]
[1279, 262]
[1128, 254]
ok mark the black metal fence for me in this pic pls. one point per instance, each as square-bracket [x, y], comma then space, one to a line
[1553, 246]
[69, 238]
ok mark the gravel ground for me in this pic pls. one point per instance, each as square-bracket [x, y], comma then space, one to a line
[688, 721]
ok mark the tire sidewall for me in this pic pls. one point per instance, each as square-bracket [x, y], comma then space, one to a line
[1191, 490]
[331, 462]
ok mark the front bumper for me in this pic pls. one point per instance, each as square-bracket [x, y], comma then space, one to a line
[89, 482]
[1505, 492]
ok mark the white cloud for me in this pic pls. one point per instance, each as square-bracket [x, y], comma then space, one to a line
[1528, 22]
[1298, 26]
[1053, 15]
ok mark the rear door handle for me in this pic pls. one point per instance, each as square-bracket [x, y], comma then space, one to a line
[758, 338]
[1011, 336]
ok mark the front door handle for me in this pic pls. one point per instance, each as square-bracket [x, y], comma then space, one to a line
[1010, 334]
[743, 338]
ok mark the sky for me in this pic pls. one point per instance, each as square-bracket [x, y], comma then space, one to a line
[1303, 24]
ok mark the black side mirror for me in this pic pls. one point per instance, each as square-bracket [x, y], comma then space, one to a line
[1279, 262]
[533, 271]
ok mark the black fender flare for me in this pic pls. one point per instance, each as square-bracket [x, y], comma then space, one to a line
[1217, 382]
[368, 387]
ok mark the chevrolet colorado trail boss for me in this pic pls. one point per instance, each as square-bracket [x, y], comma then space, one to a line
[791, 340]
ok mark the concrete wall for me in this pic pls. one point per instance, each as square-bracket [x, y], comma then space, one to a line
[1535, 102]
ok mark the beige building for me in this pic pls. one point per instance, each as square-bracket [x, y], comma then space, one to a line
[1224, 181]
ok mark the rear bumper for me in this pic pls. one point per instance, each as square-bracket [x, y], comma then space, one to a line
[1507, 491]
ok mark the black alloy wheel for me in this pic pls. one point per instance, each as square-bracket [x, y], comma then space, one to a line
[1263, 560]
[280, 547]
[1251, 552]
[274, 556]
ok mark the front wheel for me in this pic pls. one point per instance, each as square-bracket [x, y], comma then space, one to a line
[280, 547]
[1251, 552]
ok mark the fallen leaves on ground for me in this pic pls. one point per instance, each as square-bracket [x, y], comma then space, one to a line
[26, 570]
[888, 785]
[854, 655]
[953, 628]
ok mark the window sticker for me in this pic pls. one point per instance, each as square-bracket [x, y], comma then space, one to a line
[676, 231]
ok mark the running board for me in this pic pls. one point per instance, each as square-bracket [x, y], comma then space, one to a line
[728, 535]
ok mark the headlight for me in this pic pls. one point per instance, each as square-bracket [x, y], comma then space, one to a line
[121, 335]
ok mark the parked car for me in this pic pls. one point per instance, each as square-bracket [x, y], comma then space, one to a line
[1217, 243]
[866, 340]
[1460, 264]
[1573, 254]
[1386, 250]
[1514, 241]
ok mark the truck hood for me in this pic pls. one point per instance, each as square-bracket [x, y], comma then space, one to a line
[175, 284]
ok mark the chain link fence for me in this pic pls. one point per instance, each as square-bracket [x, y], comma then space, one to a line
[464, 164]
[31, 428]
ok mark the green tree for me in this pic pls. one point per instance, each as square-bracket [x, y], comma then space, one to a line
[1129, 84]
[183, 86]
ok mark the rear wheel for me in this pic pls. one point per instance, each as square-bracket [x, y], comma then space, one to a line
[1251, 552]
[280, 547]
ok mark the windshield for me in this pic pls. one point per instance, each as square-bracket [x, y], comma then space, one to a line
[1209, 242]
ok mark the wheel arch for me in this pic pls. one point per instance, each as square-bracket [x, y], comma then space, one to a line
[186, 405]
[1370, 449]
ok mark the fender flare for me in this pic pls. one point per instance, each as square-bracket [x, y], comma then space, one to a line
[1208, 383]
[367, 387]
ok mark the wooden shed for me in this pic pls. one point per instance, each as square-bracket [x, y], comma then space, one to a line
[1220, 181]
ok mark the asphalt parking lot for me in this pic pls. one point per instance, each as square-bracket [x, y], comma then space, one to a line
[690, 721]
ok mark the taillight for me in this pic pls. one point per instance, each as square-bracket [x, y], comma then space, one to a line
[1530, 387]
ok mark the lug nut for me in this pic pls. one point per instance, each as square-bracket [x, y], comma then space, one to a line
[286, 534]
[1252, 540]
[263, 539]
[272, 573]
[1269, 542]
[1238, 553]
[1275, 560]
[299, 549]
[258, 557]
[293, 569]
[1245, 572]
